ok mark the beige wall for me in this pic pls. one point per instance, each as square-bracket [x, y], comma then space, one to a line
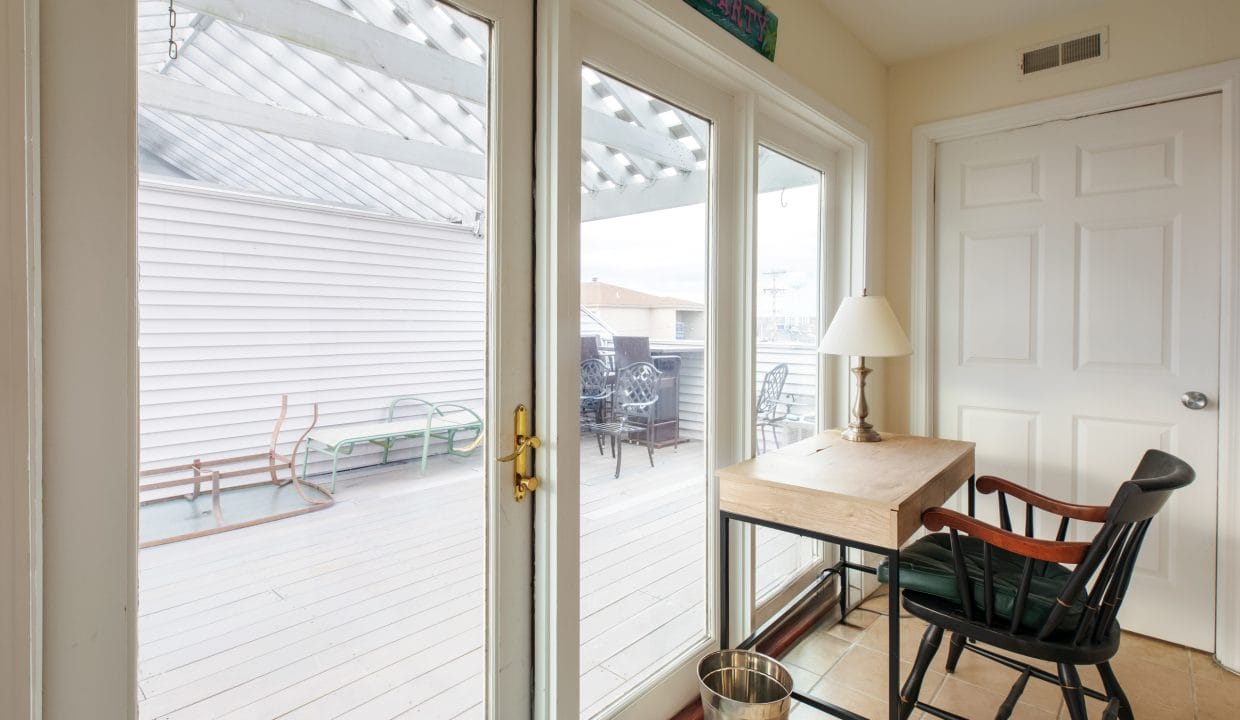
[1147, 38]
[818, 50]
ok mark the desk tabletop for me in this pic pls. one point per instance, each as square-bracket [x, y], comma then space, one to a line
[868, 492]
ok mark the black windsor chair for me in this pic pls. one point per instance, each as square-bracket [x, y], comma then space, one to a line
[992, 587]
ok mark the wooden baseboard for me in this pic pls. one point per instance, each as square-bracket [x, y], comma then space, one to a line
[785, 633]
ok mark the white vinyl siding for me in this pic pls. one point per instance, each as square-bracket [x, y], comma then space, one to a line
[692, 395]
[243, 299]
[802, 382]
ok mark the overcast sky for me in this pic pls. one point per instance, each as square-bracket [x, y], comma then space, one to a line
[664, 252]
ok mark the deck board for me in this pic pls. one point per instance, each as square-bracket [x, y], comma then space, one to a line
[374, 608]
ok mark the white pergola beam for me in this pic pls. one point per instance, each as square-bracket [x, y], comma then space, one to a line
[611, 130]
[673, 192]
[175, 96]
[313, 26]
[307, 24]
[666, 193]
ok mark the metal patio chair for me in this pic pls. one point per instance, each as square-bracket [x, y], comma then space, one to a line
[590, 347]
[767, 409]
[595, 392]
[631, 349]
[633, 409]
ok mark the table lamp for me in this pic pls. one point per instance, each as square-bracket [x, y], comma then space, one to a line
[864, 327]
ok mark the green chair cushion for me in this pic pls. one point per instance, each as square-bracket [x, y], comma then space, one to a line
[926, 566]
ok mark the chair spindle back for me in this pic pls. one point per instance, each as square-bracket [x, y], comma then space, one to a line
[1108, 561]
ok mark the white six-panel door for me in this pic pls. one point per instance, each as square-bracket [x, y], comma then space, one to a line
[1077, 299]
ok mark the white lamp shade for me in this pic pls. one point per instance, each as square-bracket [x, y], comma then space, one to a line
[865, 326]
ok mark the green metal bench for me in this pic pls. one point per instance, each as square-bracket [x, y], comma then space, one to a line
[441, 422]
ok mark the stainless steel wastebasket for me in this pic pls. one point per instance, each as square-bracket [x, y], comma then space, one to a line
[744, 685]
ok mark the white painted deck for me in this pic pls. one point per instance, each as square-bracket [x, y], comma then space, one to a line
[374, 608]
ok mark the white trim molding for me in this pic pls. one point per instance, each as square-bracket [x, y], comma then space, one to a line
[1223, 78]
[20, 518]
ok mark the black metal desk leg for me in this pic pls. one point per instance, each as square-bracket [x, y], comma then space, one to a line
[843, 582]
[972, 496]
[893, 634]
[724, 589]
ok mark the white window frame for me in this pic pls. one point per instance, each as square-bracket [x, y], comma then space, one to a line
[833, 271]
[593, 45]
[674, 32]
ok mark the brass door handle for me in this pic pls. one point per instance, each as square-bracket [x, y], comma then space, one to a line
[523, 481]
[523, 444]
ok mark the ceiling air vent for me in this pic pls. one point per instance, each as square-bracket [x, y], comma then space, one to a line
[1074, 50]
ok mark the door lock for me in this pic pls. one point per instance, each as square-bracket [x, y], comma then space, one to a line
[1194, 400]
[523, 481]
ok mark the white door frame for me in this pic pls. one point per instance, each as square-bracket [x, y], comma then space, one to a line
[20, 415]
[510, 365]
[88, 313]
[1223, 78]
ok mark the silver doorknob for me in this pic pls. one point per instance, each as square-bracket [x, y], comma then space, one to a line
[1194, 400]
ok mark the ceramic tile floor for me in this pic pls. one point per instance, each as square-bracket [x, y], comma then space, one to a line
[846, 663]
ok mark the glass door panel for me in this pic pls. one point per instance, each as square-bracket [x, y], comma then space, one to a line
[317, 226]
[644, 318]
[788, 251]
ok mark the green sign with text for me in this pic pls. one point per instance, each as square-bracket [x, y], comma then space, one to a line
[748, 20]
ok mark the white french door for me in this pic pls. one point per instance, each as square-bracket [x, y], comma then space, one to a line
[475, 108]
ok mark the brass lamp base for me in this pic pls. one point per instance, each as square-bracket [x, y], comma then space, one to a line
[859, 430]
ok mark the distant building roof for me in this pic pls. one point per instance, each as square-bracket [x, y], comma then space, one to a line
[600, 294]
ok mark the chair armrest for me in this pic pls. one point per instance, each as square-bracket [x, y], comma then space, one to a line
[1049, 550]
[987, 484]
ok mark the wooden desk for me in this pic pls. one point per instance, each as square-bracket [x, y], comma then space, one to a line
[868, 496]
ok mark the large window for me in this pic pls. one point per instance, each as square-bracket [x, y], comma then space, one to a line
[788, 248]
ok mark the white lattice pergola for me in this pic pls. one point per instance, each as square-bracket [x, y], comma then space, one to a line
[376, 104]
